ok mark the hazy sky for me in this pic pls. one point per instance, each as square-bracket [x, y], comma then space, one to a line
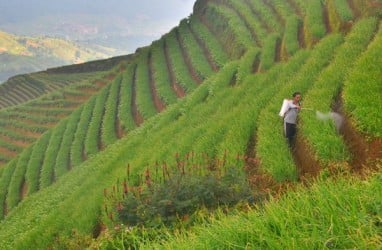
[139, 19]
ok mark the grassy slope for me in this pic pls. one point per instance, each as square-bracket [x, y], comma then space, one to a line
[75, 200]
[341, 213]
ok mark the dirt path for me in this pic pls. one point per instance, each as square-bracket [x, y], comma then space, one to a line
[301, 36]
[365, 153]
[174, 84]
[355, 10]
[187, 60]
[206, 52]
[138, 119]
[278, 50]
[325, 16]
[159, 104]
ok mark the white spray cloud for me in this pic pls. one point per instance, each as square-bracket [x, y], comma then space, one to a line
[336, 117]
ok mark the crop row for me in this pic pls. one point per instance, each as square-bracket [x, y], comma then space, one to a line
[233, 33]
[251, 21]
[322, 137]
[314, 23]
[21, 125]
[178, 64]
[362, 93]
[339, 12]
[195, 52]
[161, 76]
[265, 15]
[272, 149]
[214, 48]
[23, 88]
[196, 113]
[144, 99]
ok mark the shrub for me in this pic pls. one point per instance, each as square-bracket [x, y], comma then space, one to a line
[178, 194]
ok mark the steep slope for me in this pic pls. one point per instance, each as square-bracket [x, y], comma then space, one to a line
[231, 67]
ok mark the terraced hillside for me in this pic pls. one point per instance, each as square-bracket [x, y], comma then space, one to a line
[213, 85]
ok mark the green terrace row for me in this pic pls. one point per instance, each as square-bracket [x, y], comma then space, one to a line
[109, 129]
[23, 88]
[272, 149]
[21, 125]
[362, 94]
[103, 116]
[202, 114]
[322, 138]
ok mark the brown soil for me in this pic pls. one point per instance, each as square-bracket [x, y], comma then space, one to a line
[355, 10]
[325, 16]
[174, 84]
[364, 153]
[256, 64]
[25, 133]
[187, 60]
[305, 162]
[295, 7]
[301, 36]
[23, 189]
[134, 109]
[100, 83]
[118, 129]
[7, 152]
[159, 104]
[278, 51]
[10, 140]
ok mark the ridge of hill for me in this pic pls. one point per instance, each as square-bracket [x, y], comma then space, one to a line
[211, 86]
[20, 54]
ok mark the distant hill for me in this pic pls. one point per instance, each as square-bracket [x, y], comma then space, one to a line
[20, 54]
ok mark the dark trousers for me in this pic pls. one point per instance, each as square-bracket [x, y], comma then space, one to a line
[290, 132]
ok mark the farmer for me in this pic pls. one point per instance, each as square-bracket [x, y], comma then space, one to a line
[290, 117]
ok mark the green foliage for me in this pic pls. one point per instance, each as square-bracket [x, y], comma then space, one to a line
[266, 14]
[6, 177]
[215, 49]
[109, 121]
[161, 75]
[344, 213]
[77, 147]
[323, 136]
[48, 174]
[194, 51]
[32, 175]
[362, 89]
[251, 21]
[124, 109]
[268, 54]
[17, 180]
[92, 140]
[314, 26]
[272, 149]
[290, 39]
[247, 62]
[178, 64]
[168, 193]
[234, 34]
